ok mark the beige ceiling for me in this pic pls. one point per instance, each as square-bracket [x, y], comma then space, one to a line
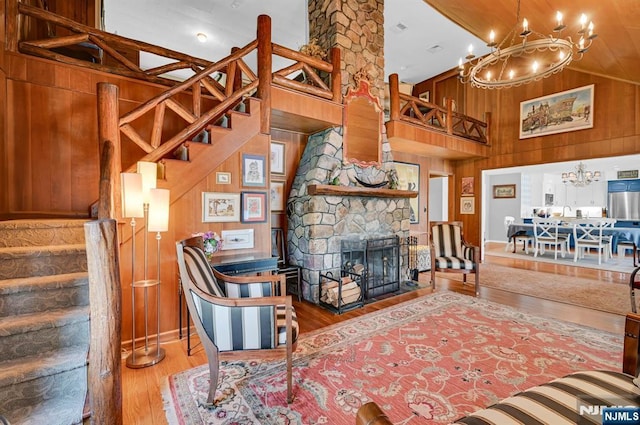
[615, 52]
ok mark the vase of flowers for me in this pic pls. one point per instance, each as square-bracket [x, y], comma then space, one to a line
[211, 241]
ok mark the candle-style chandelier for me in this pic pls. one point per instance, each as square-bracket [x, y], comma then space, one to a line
[581, 176]
[525, 55]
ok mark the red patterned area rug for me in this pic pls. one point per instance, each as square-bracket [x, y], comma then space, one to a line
[429, 360]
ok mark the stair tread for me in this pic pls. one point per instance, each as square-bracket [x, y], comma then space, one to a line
[46, 412]
[30, 322]
[41, 223]
[39, 283]
[47, 363]
[56, 249]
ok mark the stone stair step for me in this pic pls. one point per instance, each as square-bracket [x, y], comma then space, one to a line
[30, 334]
[19, 262]
[40, 293]
[46, 388]
[41, 232]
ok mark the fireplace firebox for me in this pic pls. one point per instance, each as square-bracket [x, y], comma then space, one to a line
[377, 260]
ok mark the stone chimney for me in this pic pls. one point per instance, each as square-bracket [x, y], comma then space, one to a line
[357, 28]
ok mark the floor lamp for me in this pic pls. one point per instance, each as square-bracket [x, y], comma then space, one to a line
[158, 222]
[148, 357]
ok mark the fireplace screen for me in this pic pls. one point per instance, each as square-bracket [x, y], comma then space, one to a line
[376, 260]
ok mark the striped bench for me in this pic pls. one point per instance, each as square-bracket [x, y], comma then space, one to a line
[566, 400]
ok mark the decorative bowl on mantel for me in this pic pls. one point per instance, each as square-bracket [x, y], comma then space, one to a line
[372, 185]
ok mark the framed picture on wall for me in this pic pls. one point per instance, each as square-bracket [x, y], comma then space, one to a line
[409, 179]
[277, 195]
[467, 186]
[277, 158]
[504, 191]
[220, 207]
[467, 205]
[253, 170]
[254, 207]
[569, 110]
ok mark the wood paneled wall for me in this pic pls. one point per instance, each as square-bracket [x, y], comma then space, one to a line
[294, 146]
[428, 167]
[51, 142]
[616, 129]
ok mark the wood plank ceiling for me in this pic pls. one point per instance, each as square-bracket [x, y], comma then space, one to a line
[615, 53]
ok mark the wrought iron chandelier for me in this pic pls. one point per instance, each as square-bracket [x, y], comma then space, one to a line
[512, 63]
[580, 177]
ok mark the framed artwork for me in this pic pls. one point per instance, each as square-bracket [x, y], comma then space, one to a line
[467, 205]
[409, 179]
[223, 177]
[277, 196]
[254, 207]
[237, 239]
[467, 186]
[569, 110]
[253, 170]
[504, 191]
[277, 158]
[220, 207]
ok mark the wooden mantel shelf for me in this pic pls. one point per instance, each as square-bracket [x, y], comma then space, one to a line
[330, 190]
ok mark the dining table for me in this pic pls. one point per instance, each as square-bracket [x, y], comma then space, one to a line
[631, 234]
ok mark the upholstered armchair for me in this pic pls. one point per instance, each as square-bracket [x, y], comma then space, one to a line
[216, 301]
[451, 253]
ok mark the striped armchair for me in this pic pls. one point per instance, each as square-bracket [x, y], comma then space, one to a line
[451, 253]
[236, 317]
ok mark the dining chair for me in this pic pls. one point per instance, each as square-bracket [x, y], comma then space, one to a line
[236, 317]
[451, 253]
[588, 234]
[521, 236]
[546, 233]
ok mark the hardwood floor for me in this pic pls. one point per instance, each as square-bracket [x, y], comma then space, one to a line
[141, 388]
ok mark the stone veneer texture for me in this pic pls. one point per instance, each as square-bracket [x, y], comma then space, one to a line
[317, 224]
[357, 28]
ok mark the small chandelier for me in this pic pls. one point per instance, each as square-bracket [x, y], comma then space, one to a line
[512, 63]
[580, 177]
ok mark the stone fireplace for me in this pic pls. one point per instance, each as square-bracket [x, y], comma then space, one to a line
[321, 216]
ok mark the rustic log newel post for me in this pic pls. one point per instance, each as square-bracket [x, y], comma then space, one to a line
[196, 99]
[109, 131]
[336, 82]
[232, 84]
[264, 72]
[104, 374]
[449, 121]
[105, 191]
[394, 97]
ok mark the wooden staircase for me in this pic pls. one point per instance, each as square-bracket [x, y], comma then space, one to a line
[204, 158]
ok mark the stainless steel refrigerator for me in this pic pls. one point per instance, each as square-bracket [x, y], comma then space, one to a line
[624, 205]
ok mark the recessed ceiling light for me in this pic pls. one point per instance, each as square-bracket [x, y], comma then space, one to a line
[202, 37]
[399, 27]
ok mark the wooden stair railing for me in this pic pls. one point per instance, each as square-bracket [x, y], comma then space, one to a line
[404, 107]
[109, 44]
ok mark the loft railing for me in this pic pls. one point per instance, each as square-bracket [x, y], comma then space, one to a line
[407, 108]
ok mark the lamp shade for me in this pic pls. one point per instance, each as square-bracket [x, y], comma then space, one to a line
[131, 189]
[149, 171]
[158, 210]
